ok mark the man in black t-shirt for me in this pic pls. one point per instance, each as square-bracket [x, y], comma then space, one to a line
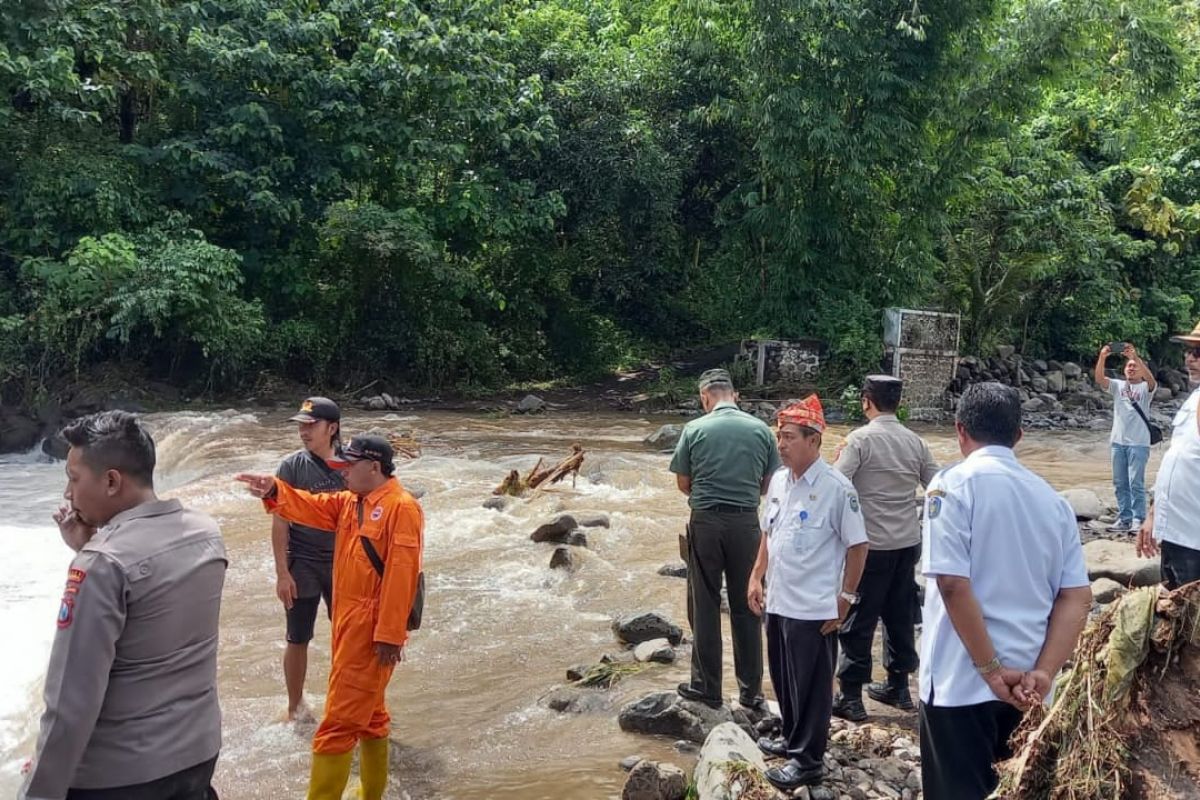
[304, 555]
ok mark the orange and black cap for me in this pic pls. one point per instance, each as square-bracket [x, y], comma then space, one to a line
[316, 409]
[365, 448]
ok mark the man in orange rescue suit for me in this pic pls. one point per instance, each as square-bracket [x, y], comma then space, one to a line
[379, 529]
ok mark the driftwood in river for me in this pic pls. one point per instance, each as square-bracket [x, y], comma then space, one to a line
[515, 485]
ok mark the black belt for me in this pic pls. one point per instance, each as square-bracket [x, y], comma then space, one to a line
[725, 508]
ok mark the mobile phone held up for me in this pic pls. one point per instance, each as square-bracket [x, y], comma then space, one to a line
[1116, 348]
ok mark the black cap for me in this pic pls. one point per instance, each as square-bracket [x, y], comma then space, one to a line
[884, 391]
[315, 409]
[365, 448]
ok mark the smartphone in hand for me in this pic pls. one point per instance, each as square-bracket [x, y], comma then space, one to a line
[1116, 348]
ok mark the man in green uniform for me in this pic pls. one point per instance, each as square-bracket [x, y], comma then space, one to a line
[723, 463]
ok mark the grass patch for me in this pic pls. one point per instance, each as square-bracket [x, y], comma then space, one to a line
[605, 676]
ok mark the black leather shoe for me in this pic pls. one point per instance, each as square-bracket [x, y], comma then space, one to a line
[849, 708]
[891, 695]
[792, 776]
[686, 691]
[773, 747]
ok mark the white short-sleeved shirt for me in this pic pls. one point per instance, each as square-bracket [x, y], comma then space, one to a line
[1127, 427]
[991, 520]
[1177, 486]
[809, 522]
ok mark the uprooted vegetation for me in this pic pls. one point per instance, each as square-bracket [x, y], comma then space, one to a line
[1125, 722]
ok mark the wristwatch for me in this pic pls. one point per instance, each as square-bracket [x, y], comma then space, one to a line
[989, 667]
[849, 597]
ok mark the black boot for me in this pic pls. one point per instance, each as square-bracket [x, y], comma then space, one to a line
[893, 693]
[849, 706]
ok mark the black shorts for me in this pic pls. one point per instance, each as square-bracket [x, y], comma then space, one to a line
[314, 580]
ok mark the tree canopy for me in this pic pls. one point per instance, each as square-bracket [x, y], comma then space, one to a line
[461, 194]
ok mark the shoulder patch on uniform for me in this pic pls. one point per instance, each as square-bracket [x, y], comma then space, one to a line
[935, 493]
[66, 611]
[76, 575]
[854, 503]
[377, 514]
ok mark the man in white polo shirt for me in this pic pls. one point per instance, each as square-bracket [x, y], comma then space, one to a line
[812, 554]
[1007, 599]
[1173, 524]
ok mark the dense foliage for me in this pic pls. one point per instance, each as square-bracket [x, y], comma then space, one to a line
[460, 194]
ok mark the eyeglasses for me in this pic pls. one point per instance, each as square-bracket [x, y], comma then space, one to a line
[1194, 352]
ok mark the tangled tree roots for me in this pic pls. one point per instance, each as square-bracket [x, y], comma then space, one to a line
[1125, 723]
[515, 485]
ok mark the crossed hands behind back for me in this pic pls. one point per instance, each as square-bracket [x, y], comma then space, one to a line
[1024, 690]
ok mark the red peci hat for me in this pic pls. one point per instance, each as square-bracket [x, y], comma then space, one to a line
[807, 413]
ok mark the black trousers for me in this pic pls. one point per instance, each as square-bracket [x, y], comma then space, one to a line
[960, 746]
[887, 592]
[723, 545]
[193, 783]
[1180, 564]
[801, 662]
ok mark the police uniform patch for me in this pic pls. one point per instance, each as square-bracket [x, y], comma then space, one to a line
[377, 514]
[934, 507]
[66, 612]
[854, 503]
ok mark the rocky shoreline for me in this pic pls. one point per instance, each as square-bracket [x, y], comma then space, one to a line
[718, 755]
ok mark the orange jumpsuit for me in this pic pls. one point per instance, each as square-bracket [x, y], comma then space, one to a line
[366, 608]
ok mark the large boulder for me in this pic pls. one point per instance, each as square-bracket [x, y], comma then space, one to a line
[563, 558]
[1033, 405]
[531, 404]
[597, 520]
[665, 438]
[1005, 351]
[18, 431]
[1039, 384]
[650, 780]
[56, 446]
[726, 746]
[557, 531]
[1055, 381]
[1072, 371]
[1162, 394]
[1086, 504]
[638, 628]
[668, 714]
[1119, 562]
[1105, 590]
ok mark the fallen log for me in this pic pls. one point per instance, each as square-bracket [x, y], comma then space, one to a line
[515, 485]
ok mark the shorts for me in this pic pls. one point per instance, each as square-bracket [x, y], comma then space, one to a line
[314, 580]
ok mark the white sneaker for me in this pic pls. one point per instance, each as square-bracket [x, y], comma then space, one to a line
[1120, 526]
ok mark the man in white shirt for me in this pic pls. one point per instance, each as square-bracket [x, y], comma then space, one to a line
[1130, 437]
[1172, 524]
[1007, 599]
[812, 552]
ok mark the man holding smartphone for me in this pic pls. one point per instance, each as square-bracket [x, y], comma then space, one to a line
[1130, 437]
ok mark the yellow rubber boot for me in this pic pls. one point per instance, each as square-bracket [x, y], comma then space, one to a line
[330, 772]
[373, 768]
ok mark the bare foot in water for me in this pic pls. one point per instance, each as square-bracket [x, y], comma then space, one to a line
[301, 713]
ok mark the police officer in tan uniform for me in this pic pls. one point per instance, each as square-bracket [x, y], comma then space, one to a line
[886, 462]
[131, 691]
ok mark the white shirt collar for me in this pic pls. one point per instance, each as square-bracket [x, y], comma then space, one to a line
[811, 475]
[994, 451]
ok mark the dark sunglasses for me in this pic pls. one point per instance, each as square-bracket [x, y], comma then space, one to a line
[1194, 352]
